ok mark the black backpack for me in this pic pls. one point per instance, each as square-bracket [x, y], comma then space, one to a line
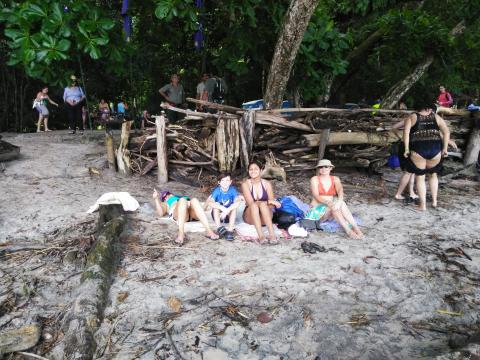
[219, 90]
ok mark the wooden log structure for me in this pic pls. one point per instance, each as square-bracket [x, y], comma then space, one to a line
[162, 157]
[122, 153]
[215, 142]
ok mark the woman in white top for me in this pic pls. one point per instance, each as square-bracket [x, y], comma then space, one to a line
[73, 97]
[40, 104]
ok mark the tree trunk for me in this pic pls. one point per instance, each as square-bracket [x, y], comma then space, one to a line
[228, 144]
[473, 148]
[162, 149]
[400, 89]
[123, 157]
[247, 125]
[294, 25]
[351, 138]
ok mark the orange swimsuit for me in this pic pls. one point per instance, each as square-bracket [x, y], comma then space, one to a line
[330, 192]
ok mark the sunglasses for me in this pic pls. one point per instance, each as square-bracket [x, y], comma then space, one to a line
[325, 167]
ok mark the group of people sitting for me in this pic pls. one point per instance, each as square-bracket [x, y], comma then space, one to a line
[260, 203]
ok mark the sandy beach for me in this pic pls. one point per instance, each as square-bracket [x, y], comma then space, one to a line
[409, 290]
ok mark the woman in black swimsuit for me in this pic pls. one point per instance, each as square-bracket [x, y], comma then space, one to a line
[425, 137]
[258, 194]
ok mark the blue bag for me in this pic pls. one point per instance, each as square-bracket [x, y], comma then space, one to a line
[289, 207]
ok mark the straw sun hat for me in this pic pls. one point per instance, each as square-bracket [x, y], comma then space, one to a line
[324, 162]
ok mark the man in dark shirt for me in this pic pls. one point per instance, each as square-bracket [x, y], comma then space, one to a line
[174, 95]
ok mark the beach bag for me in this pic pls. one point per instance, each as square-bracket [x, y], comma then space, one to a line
[290, 207]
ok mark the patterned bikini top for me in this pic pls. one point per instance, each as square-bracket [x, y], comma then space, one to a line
[425, 129]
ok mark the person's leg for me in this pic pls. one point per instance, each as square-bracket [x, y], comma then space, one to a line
[45, 123]
[347, 215]
[231, 217]
[338, 216]
[78, 114]
[420, 163]
[433, 178]
[180, 213]
[197, 213]
[216, 217]
[411, 187]
[252, 217]
[402, 185]
[71, 118]
[266, 216]
[39, 123]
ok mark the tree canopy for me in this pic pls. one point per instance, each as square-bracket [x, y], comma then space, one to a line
[350, 50]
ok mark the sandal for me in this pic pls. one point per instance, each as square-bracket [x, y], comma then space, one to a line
[229, 235]
[222, 231]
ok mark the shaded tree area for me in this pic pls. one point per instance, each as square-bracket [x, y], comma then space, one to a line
[351, 50]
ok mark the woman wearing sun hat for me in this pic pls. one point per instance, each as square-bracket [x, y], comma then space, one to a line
[73, 97]
[327, 201]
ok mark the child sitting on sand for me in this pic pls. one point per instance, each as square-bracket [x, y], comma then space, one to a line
[224, 202]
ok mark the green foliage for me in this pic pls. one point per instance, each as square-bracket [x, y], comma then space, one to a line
[44, 37]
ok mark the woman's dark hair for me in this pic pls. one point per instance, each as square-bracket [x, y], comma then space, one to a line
[424, 106]
[224, 175]
[44, 87]
[255, 163]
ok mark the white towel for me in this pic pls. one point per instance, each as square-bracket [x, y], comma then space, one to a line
[124, 198]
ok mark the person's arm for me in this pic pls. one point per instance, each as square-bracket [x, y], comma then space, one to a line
[65, 95]
[213, 204]
[445, 134]
[160, 207]
[50, 100]
[449, 99]
[163, 91]
[406, 135]
[271, 198]
[338, 188]
[246, 193]
[398, 125]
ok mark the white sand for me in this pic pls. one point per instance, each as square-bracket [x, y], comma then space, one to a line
[390, 281]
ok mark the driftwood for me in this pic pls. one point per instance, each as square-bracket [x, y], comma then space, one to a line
[110, 151]
[472, 151]
[247, 124]
[221, 107]
[122, 154]
[340, 138]
[162, 157]
[228, 144]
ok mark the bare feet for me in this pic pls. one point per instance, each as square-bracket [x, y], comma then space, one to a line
[260, 241]
[272, 240]
[359, 232]
[48, 130]
[38, 130]
[353, 235]
[399, 197]
[212, 236]
[179, 240]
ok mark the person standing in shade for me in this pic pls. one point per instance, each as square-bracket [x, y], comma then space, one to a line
[444, 98]
[174, 94]
[40, 104]
[145, 117]
[201, 92]
[122, 107]
[104, 110]
[73, 97]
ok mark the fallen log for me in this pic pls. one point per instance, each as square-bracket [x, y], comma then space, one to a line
[472, 151]
[211, 105]
[193, 114]
[86, 313]
[344, 138]
[162, 157]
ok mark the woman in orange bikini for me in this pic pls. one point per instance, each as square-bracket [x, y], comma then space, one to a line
[328, 201]
[258, 194]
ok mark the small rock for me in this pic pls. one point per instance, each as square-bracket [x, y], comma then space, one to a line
[358, 270]
[264, 317]
[19, 339]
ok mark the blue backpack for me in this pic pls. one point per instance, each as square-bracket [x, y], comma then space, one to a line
[289, 207]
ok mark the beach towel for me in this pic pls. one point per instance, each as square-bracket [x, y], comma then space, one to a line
[248, 232]
[122, 198]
